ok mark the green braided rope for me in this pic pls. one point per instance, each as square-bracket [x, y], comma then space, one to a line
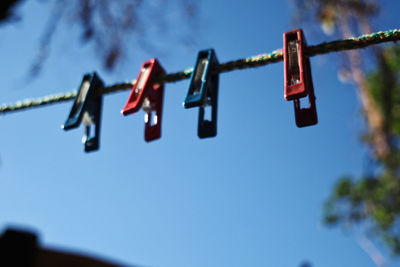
[251, 62]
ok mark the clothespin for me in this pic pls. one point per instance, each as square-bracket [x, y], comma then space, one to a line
[87, 109]
[298, 78]
[203, 91]
[148, 93]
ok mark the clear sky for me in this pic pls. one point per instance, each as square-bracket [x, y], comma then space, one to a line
[252, 196]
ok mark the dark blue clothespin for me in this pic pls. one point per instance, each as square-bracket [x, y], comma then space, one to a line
[298, 78]
[87, 109]
[203, 91]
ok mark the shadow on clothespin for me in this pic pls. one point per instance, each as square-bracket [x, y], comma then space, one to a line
[203, 92]
[87, 109]
[148, 94]
[298, 78]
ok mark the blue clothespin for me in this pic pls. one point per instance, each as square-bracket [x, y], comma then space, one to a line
[203, 91]
[87, 109]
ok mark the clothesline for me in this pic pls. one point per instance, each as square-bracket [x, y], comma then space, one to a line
[250, 62]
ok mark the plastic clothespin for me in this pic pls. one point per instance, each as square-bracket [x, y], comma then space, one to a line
[87, 109]
[203, 91]
[298, 78]
[148, 94]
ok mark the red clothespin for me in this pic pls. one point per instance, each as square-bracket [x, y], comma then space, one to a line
[298, 79]
[149, 95]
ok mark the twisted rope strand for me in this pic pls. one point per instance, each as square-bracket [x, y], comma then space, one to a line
[251, 62]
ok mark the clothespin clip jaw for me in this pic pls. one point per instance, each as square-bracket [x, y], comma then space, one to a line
[306, 116]
[148, 93]
[203, 92]
[87, 109]
[298, 77]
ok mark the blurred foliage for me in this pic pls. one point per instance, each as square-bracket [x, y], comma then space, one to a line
[330, 13]
[384, 86]
[376, 199]
[371, 201]
[110, 26]
[7, 10]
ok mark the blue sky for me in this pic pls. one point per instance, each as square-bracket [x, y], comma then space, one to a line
[252, 196]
